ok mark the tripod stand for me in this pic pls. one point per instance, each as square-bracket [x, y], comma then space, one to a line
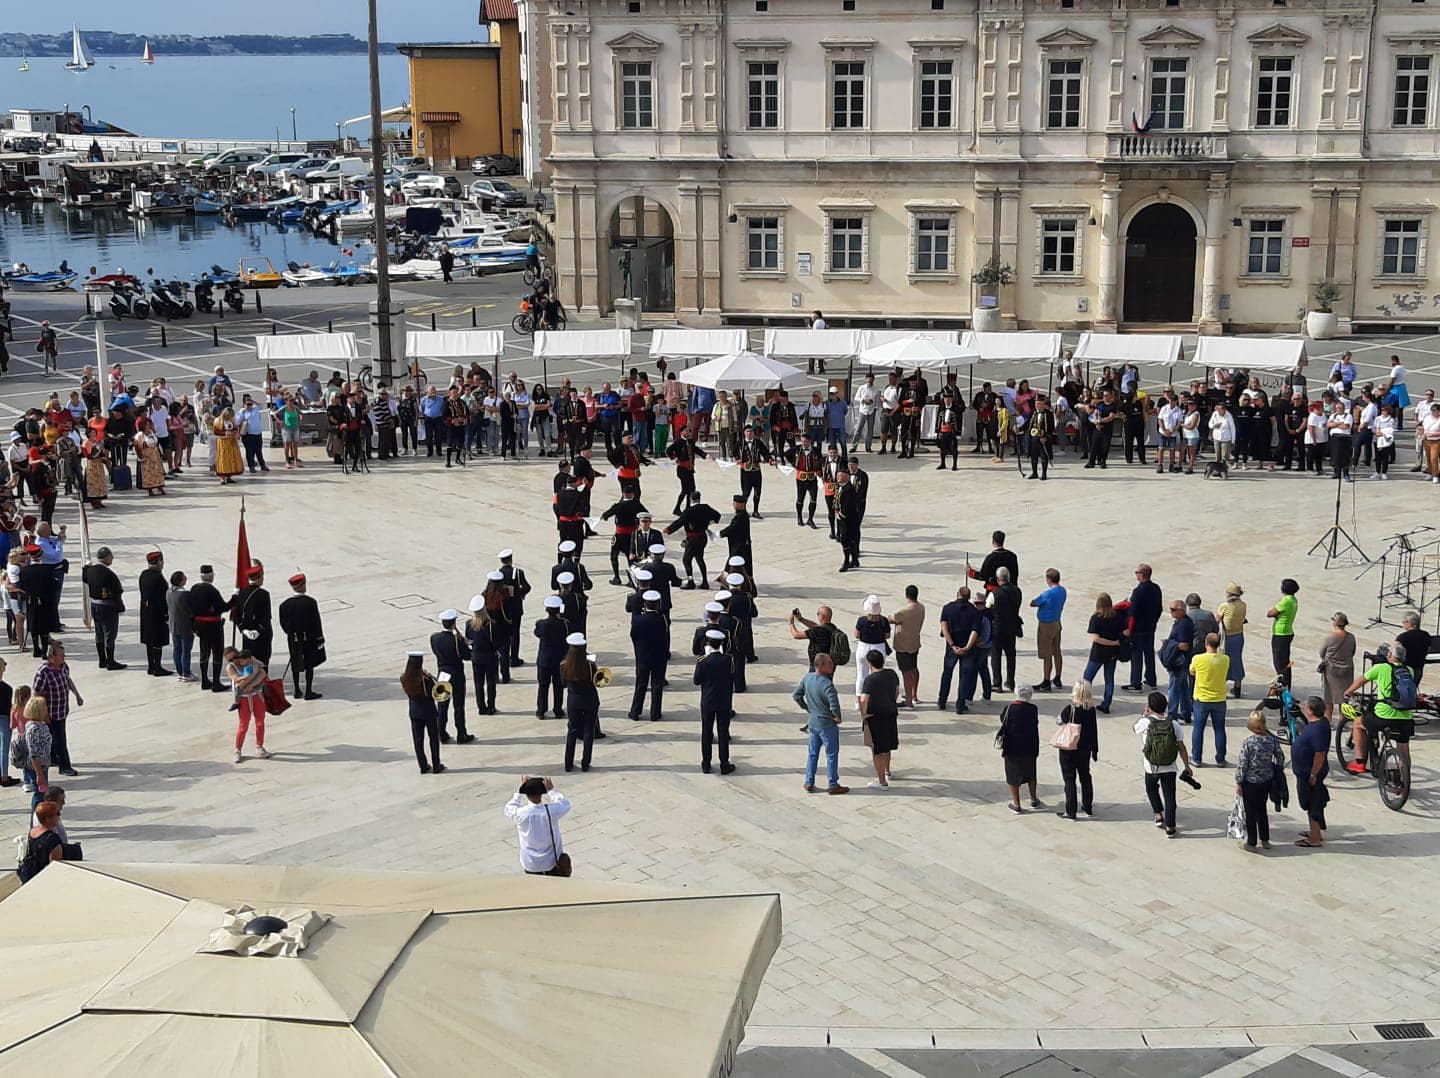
[1337, 543]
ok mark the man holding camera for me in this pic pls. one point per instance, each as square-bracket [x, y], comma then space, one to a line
[536, 809]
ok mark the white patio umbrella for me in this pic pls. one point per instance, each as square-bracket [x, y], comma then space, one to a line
[743, 370]
[919, 350]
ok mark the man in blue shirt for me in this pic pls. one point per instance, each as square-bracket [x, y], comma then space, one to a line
[608, 409]
[250, 433]
[1048, 606]
[1146, 603]
[960, 629]
[432, 411]
[836, 409]
[816, 694]
[1309, 761]
[52, 555]
[1180, 705]
[220, 378]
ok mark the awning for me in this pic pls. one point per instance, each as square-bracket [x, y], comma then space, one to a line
[1249, 353]
[454, 344]
[1164, 349]
[812, 343]
[439, 117]
[401, 974]
[698, 343]
[582, 344]
[1016, 347]
[306, 348]
[400, 114]
[926, 350]
[743, 370]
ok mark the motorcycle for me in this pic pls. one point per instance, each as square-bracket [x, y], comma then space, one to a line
[128, 301]
[168, 298]
[235, 297]
[204, 296]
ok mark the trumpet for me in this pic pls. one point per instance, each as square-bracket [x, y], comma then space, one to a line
[442, 692]
[603, 676]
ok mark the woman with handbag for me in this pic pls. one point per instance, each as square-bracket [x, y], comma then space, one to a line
[1337, 662]
[248, 675]
[1078, 740]
[1260, 758]
[419, 689]
[879, 714]
[872, 633]
[1019, 743]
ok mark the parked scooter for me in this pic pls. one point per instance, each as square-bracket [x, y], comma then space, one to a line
[235, 297]
[168, 298]
[204, 295]
[128, 301]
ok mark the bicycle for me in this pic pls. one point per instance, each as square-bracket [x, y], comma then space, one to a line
[533, 275]
[1291, 721]
[1383, 758]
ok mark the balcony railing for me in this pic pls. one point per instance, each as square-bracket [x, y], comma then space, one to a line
[1166, 146]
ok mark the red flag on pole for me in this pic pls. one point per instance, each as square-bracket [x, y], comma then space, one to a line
[242, 552]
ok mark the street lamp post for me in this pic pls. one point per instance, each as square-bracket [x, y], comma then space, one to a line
[293, 136]
[377, 201]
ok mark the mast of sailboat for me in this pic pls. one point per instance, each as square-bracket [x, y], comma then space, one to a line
[147, 56]
[79, 57]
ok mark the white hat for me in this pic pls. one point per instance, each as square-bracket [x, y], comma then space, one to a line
[641, 574]
[651, 596]
[506, 554]
[714, 608]
[415, 655]
[736, 560]
[554, 602]
[449, 615]
[565, 578]
[735, 579]
[14, 435]
[576, 640]
[477, 602]
[494, 574]
[567, 547]
[723, 596]
[657, 548]
[647, 515]
[872, 604]
[714, 634]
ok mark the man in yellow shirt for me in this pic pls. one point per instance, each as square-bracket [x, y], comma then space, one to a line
[1211, 671]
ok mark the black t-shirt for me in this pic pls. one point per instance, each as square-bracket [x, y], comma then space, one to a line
[873, 632]
[820, 638]
[882, 686]
[1110, 628]
[1416, 643]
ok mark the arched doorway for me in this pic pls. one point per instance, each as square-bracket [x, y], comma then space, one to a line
[1160, 265]
[642, 254]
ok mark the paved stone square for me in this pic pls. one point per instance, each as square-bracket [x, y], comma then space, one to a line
[928, 916]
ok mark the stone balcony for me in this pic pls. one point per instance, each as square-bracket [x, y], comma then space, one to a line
[1166, 146]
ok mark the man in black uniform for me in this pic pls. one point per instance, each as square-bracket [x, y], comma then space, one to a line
[570, 513]
[696, 520]
[37, 581]
[1042, 438]
[912, 403]
[106, 606]
[457, 417]
[626, 514]
[753, 453]
[711, 623]
[729, 623]
[737, 533]
[984, 403]
[574, 603]
[570, 563]
[207, 611]
[250, 611]
[807, 471]
[997, 557]
[650, 636]
[154, 613]
[663, 578]
[714, 674]
[784, 422]
[1103, 417]
[847, 514]
[551, 631]
[300, 622]
[451, 654]
[644, 538]
[830, 471]
[947, 427]
[516, 588]
[683, 452]
[742, 605]
[860, 480]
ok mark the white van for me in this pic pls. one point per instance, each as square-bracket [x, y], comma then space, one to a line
[239, 159]
[340, 168]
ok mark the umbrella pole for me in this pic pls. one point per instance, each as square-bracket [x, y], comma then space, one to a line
[1051, 390]
[970, 379]
[545, 368]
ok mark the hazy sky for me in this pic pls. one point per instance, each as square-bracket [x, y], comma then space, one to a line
[400, 20]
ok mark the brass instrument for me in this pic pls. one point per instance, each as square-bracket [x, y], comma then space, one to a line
[442, 692]
[603, 676]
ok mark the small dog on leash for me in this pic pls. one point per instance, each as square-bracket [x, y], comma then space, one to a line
[1217, 469]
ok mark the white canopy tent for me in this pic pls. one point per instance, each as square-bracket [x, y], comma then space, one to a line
[743, 370]
[454, 344]
[812, 343]
[1160, 349]
[690, 344]
[1017, 347]
[1249, 353]
[930, 351]
[306, 348]
[872, 338]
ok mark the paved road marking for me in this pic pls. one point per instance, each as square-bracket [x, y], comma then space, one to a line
[1335, 1063]
[873, 1057]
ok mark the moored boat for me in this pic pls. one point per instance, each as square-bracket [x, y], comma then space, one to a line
[259, 272]
[334, 273]
[22, 279]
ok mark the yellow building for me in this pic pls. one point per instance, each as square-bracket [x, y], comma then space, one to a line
[465, 98]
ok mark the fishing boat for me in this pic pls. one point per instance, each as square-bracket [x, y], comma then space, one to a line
[147, 55]
[21, 279]
[80, 59]
[24, 61]
[334, 273]
[259, 272]
[204, 205]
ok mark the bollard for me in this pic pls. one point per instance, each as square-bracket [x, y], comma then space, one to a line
[274, 328]
[329, 326]
[215, 336]
[473, 323]
[163, 342]
[432, 321]
[259, 307]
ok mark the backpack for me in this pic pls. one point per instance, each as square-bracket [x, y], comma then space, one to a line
[839, 647]
[1161, 747]
[1403, 692]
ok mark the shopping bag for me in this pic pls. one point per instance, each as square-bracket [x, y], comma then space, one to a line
[1235, 826]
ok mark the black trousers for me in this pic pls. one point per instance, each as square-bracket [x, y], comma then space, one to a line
[1100, 448]
[1160, 789]
[485, 672]
[154, 657]
[651, 677]
[687, 488]
[551, 684]
[1280, 656]
[581, 728]
[454, 443]
[409, 437]
[1256, 796]
[507, 641]
[1004, 645]
[107, 624]
[619, 548]
[457, 686]
[1075, 766]
[254, 450]
[711, 720]
[1339, 455]
[850, 541]
[60, 751]
[804, 488]
[909, 435]
[420, 730]
[1134, 441]
[750, 482]
[950, 447]
[1039, 458]
[299, 669]
[212, 645]
[434, 436]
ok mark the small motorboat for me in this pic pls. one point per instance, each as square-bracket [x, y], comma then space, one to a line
[220, 276]
[205, 205]
[335, 273]
[259, 272]
[416, 269]
[22, 279]
[108, 282]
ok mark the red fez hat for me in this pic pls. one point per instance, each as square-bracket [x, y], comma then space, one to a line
[153, 556]
[298, 579]
[254, 571]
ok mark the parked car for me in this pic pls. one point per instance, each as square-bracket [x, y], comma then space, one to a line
[296, 170]
[405, 164]
[495, 164]
[498, 192]
[274, 162]
[430, 185]
[239, 159]
[338, 168]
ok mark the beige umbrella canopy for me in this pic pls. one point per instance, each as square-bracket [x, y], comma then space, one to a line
[395, 974]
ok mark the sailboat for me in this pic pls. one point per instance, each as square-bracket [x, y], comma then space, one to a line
[24, 61]
[80, 59]
[148, 55]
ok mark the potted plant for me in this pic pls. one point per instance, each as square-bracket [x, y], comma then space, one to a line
[1321, 323]
[990, 277]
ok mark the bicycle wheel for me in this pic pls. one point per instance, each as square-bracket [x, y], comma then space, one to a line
[1393, 777]
[530, 276]
[522, 324]
[1344, 743]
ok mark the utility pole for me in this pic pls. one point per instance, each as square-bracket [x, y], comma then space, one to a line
[377, 181]
[293, 136]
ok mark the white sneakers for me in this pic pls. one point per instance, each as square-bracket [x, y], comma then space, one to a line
[238, 756]
[264, 753]
[875, 784]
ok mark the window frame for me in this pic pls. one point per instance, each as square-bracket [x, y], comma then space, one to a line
[1076, 220]
[836, 214]
[1421, 236]
[1282, 273]
[918, 218]
[1078, 77]
[778, 76]
[648, 80]
[751, 231]
[952, 81]
[832, 76]
[1429, 92]
[1292, 103]
[1187, 98]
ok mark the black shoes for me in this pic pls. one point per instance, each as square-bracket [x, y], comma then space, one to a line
[727, 769]
[465, 739]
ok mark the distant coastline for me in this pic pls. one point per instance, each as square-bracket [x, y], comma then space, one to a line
[111, 43]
